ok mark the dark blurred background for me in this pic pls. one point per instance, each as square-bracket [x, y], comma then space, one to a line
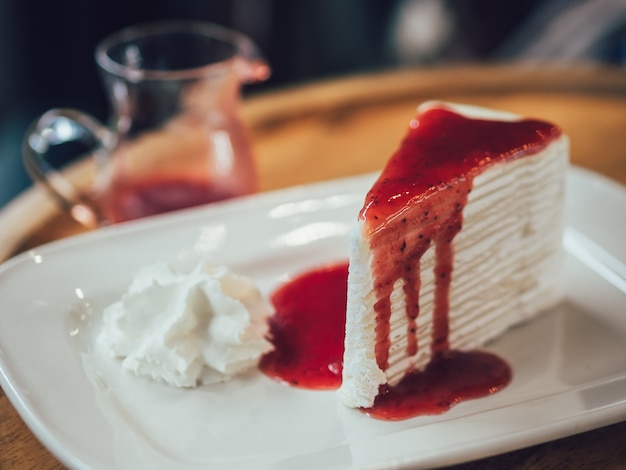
[46, 47]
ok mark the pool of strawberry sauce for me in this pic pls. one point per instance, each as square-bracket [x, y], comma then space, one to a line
[308, 327]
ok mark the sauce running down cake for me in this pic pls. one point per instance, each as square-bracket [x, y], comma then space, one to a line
[458, 240]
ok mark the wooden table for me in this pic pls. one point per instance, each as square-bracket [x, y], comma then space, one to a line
[350, 126]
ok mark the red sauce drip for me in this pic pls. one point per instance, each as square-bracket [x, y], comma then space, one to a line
[397, 253]
[308, 329]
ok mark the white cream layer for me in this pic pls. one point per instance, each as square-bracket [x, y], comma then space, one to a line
[507, 264]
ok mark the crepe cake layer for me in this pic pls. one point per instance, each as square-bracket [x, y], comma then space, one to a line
[440, 263]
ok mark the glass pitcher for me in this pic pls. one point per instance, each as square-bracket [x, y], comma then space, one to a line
[175, 138]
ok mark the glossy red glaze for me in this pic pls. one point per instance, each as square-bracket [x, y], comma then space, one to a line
[443, 147]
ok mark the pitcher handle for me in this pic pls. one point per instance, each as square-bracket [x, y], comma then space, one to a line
[60, 126]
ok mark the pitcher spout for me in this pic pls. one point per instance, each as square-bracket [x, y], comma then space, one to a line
[252, 68]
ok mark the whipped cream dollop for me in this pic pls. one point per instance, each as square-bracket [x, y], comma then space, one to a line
[187, 328]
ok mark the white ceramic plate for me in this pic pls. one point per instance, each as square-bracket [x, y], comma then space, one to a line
[569, 365]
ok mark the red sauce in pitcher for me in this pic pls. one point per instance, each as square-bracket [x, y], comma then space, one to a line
[155, 195]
